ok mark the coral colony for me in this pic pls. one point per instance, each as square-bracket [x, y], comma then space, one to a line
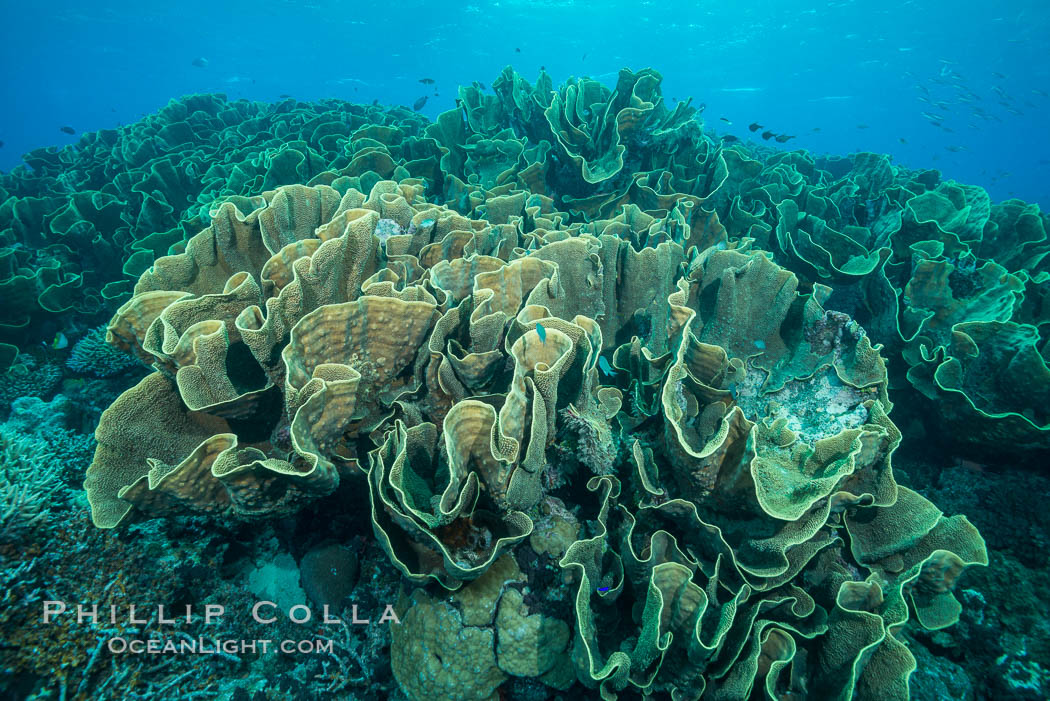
[560, 402]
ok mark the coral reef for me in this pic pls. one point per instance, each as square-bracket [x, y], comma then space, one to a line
[91, 355]
[297, 349]
[28, 377]
[329, 574]
[28, 484]
[600, 402]
[909, 256]
[58, 554]
[79, 224]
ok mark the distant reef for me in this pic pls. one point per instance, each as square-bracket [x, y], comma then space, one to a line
[953, 286]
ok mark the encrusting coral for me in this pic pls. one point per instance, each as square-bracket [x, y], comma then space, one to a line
[630, 453]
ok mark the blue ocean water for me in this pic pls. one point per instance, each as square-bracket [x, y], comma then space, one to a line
[862, 73]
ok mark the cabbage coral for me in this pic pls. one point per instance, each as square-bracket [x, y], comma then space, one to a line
[704, 448]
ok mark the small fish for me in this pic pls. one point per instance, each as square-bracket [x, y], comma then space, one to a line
[783, 138]
[418, 104]
[436, 95]
[543, 68]
[1, 144]
[283, 95]
[955, 149]
[725, 120]
[604, 366]
[603, 589]
[730, 139]
[200, 62]
[584, 57]
[754, 126]
[761, 345]
[902, 140]
[60, 341]
[541, 332]
[67, 130]
[426, 81]
[767, 135]
[517, 50]
[862, 126]
[815, 129]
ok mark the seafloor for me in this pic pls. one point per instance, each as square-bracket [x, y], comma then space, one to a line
[563, 393]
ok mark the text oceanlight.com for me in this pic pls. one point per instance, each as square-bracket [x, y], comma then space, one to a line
[214, 646]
